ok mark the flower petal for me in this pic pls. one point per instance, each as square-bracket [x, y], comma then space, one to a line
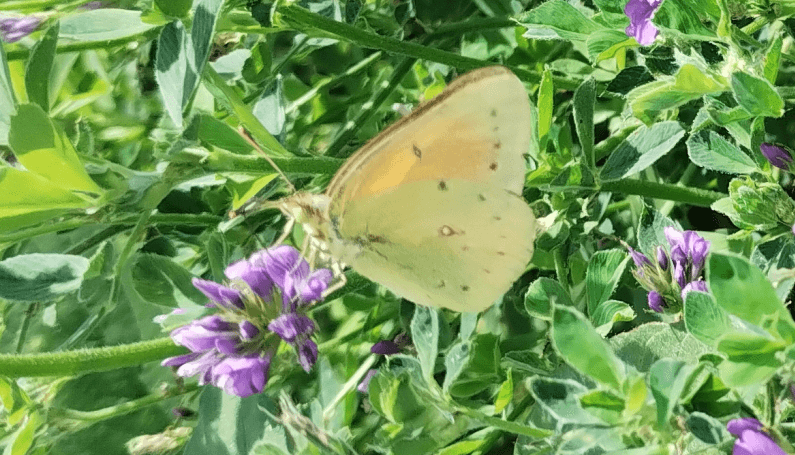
[224, 296]
[291, 326]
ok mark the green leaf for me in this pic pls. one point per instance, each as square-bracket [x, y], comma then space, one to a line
[159, 280]
[181, 57]
[706, 428]
[651, 229]
[425, 334]
[610, 312]
[704, 319]
[45, 150]
[743, 290]
[218, 133]
[558, 404]
[102, 25]
[505, 394]
[773, 59]
[581, 347]
[629, 78]
[545, 105]
[751, 358]
[230, 425]
[8, 102]
[652, 341]
[171, 68]
[608, 406]
[604, 272]
[776, 257]
[641, 149]
[757, 96]
[667, 378]
[543, 295]
[584, 99]
[29, 198]
[557, 19]
[41, 277]
[689, 83]
[606, 44]
[39, 67]
[472, 366]
[709, 150]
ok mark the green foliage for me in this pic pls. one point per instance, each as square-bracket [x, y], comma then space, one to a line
[129, 132]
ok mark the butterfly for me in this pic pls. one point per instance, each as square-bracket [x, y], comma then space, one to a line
[431, 207]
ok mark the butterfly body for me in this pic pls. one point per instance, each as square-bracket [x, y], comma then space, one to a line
[431, 208]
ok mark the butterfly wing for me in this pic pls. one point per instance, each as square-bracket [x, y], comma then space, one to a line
[450, 243]
[477, 129]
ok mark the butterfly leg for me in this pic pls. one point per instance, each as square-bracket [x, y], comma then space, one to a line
[340, 280]
[288, 228]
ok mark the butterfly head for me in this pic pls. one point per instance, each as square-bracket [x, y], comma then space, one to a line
[311, 211]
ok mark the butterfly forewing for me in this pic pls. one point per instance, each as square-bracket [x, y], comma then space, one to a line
[478, 129]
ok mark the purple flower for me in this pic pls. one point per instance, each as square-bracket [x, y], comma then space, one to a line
[689, 250]
[640, 13]
[656, 301]
[13, 29]
[219, 294]
[699, 286]
[233, 348]
[291, 273]
[777, 155]
[242, 376]
[385, 347]
[662, 258]
[640, 259]
[752, 440]
[365, 384]
[210, 332]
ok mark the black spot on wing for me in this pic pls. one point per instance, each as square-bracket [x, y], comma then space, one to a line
[442, 185]
[417, 152]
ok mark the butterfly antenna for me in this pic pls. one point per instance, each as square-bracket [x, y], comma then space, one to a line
[251, 141]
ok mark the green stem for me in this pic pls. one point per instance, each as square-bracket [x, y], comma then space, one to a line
[91, 417]
[351, 384]
[23, 330]
[222, 161]
[82, 361]
[22, 53]
[666, 191]
[304, 21]
[167, 219]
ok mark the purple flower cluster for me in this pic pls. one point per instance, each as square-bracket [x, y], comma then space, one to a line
[233, 348]
[640, 13]
[13, 29]
[751, 438]
[672, 276]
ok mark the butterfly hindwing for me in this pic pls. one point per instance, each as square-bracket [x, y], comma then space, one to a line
[445, 242]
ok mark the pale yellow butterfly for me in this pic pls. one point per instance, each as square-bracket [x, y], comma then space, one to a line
[431, 208]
